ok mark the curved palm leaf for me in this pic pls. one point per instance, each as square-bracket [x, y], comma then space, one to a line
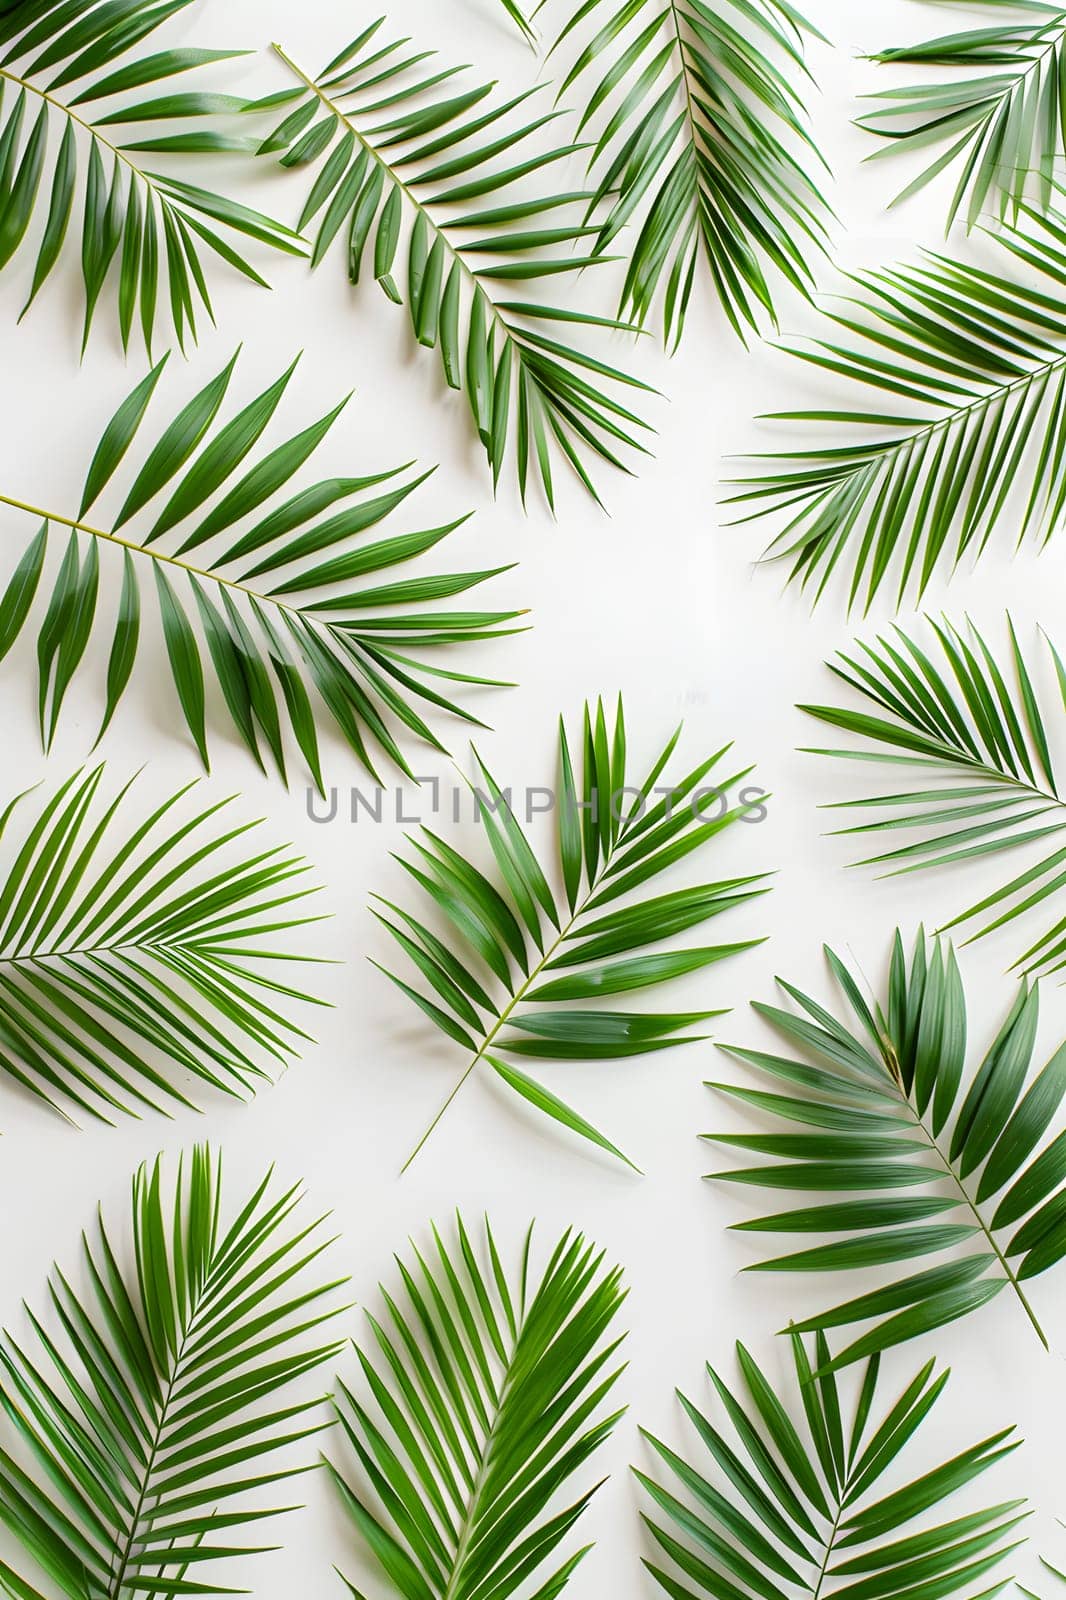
[144, 1421]
[277, 585]
[539, 950]
[703, 141]
[971, 728]
[406, 146]
[488, 1396]
[888, 1107]
[781, 1510]
[979, 362]
[136, 957]
[1054, 1571]
[70, 63]
[1003, 122]
[521, 21]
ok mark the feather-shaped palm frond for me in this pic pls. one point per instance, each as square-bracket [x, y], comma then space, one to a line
[886, 1104]
[75, 95]
[974, 367]
[422, 181]
[488, 1390]
[525, 956]
[971, 729]
[150, 1414]
[774, 1509]
[276, 584]
[138, 952]
[1002, 119]
[702, 144]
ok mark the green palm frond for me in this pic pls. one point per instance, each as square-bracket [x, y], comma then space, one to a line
[974, 367]
[288, 626]
[524, 957]
[702, 145]
[887, 1106]
[488, 1390]
[68, 65]
[144, 1421]
[1004, 122]
[971, 728]
[772, 1509]
[136, 951]
[423, 185]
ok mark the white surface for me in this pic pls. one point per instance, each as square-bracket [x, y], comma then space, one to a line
[658, 600]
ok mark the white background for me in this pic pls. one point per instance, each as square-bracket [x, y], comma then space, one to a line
[658, 599]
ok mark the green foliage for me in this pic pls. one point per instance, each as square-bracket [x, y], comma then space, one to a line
[896, 1128]
[521, 21]
[972, 728]
[975, 363]
[524, 956]
[1003, 123]
[399, 148]
[488, 1396]
[788, 1510]
[703, 146]
[69, 62]
[288, 626]
[147, 1421]
[137, 953]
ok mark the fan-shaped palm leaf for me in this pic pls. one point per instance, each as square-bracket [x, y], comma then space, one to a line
[143, 1421]
[703, 143]
[136, 951]
[406, 146]
[276, 584]
[979, 361]
[69, 64]
[1003, 122]
[488, 1396]
[522, 952]
[972, 729]
[887, 1106]
[786, 1511]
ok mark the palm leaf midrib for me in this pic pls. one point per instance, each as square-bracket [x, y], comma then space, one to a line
[68, 111]
[510, 334]
[517, 995]
[470, 1511]
[124, 1553]
[892, 1068]
[260, 597]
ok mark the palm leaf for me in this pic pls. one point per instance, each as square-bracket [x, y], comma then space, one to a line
[523, 956]
[521, 21]
[292, 614]
[138, 952]
[68, 65]
[148, 1415]
[970, 728]
[1054, 1572]
[702, 144]
[900, 1133]
[776, 1509]
[974, 365]
[397, 144]
[1001, 124]
[487, 1391]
